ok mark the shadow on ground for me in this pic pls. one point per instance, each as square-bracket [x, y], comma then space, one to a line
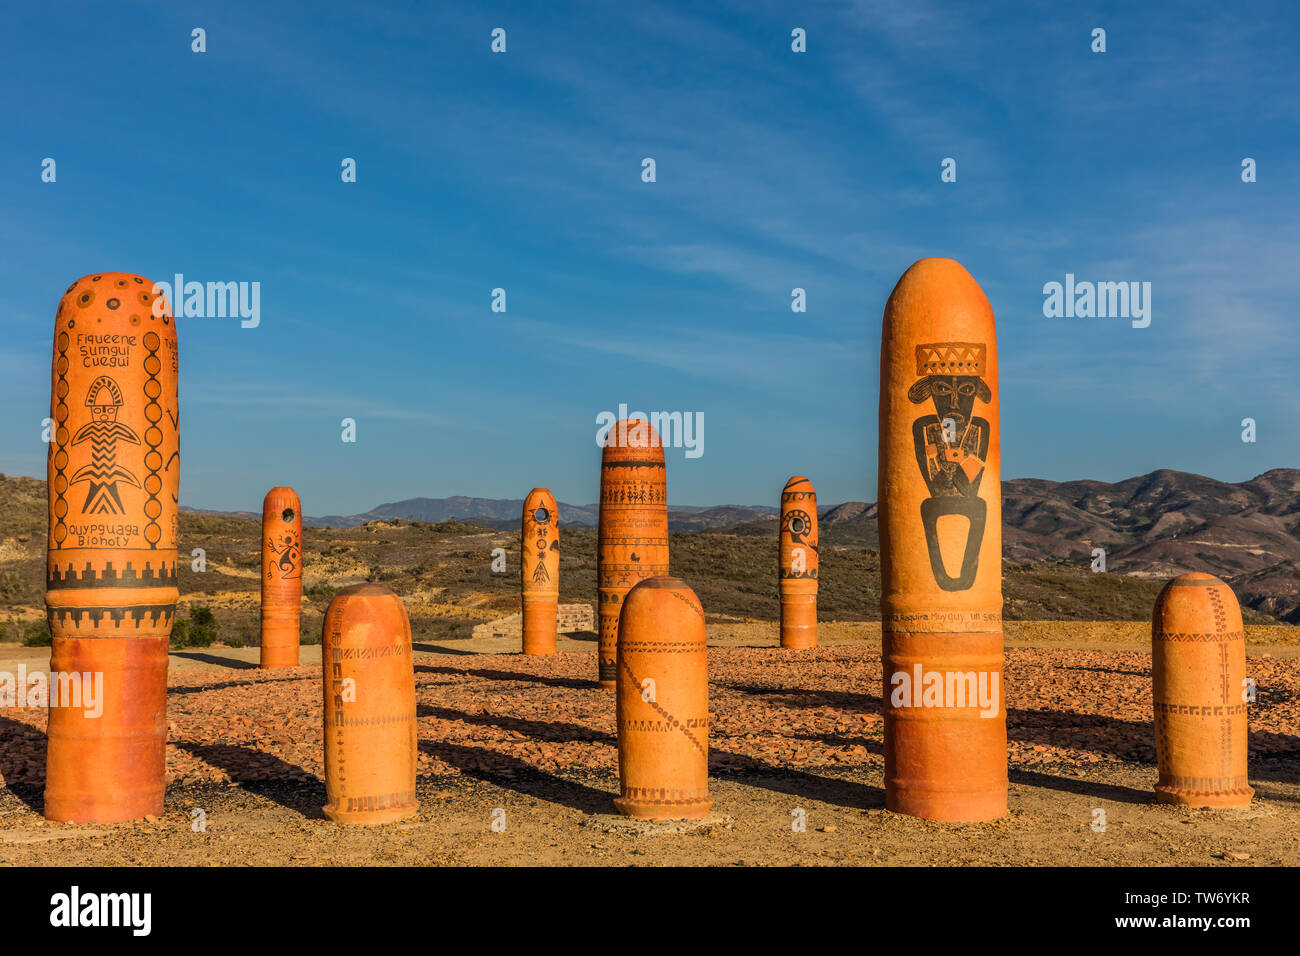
[232, 663]
[510, 773]
[272, 780]
[31, 788]
[488, 673]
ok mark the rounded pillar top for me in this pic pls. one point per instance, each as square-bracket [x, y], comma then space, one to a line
[939, 298]
[541, 516]
[649, 593]
[112, 302]
[368, 590]
[282, 502]
[1196, 579]
[373, 610]
[666, 582]
[632, 438]
[794, 483]
[540, 498]
[1197, 603]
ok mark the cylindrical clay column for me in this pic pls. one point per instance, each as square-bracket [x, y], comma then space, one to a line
[799, 560]
[369, 683]
[281, 577]
[540, 571]
[114, 469]
[632, 540]
[1198, 673]
[663, 703]
[940, 519]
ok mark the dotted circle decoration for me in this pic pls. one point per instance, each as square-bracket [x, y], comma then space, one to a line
[153, 459]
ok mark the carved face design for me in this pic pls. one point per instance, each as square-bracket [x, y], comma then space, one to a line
[953, 395]
[103, 413]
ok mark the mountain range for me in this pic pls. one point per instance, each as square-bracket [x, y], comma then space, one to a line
[1156, 526]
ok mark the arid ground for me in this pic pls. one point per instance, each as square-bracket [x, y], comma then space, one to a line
[529, 743]
[534, 737]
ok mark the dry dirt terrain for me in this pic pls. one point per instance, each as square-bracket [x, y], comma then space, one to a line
[528, 743]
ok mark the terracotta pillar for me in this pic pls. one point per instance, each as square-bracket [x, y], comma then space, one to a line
[1198, 672]
[799, 562]
[940, 520]
[369, 685]
[663, 703]
[281, 577]
[540, 571]
[633, 534]
[114, 470]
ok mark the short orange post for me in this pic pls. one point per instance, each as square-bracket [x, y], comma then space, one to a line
[281, 577]
[632, 540]
[663, 703]
[540, 571]
[369, 685]
[799, 559]
[1200, 694]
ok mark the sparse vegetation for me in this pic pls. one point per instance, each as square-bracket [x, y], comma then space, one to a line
[323, 593]
[37, 634]
[199, 630]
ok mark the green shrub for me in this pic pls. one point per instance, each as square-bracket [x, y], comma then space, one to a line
[321, 592]
[199, 630]
[203, 627]
[37, 634]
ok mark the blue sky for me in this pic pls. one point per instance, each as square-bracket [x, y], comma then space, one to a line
[775, 170]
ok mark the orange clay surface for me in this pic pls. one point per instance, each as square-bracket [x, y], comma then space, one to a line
[790, 730]
[111, 577]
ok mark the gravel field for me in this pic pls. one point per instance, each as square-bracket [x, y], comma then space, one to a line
[790, 730]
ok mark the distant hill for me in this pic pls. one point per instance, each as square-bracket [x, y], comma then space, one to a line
[1152, 526]
[504, 513]
[445, 571]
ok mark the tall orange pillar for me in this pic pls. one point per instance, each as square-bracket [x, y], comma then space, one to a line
[799, 561]
[1198, 673]
[540, 571]
[940, 519]
[663, 703]
[369, 684]
[281, 577]
[114, 470]
[632, 539]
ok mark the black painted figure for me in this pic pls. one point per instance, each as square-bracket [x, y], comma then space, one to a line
[951, 448]
[104, 431]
